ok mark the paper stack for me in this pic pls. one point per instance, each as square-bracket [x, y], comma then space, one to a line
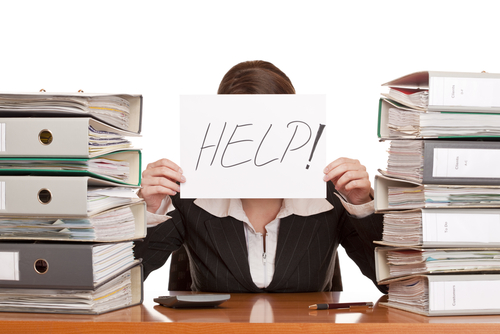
[68, 206]
[440, 193]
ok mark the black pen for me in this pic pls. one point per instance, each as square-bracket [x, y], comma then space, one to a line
[340, 305]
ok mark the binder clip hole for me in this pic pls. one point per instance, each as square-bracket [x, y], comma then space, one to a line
[41, 266]
[45, 137]
[44, 196]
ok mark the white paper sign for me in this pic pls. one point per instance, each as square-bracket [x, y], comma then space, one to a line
[253, 146]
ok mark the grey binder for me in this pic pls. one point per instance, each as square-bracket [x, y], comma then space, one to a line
[429, 151]
[50, 265]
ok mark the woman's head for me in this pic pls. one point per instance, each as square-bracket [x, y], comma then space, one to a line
[255, 77]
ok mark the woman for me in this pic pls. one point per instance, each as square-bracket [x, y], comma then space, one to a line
[261, 245]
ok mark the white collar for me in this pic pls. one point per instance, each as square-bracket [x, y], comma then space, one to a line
[233, 207]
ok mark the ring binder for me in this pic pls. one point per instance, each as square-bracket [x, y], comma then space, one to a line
[45, 137]
[44, 196]
[121, 111]
[66, 243]
[41, 266]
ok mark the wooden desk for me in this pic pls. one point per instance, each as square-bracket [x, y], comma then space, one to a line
[251, 313]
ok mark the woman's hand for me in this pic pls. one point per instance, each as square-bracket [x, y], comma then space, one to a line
[160, 179]
[350, 179]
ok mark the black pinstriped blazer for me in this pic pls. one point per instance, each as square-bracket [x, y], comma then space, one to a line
[304, 255]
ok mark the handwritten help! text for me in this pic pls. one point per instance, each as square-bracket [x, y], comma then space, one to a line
[253, 146]
[291, 145]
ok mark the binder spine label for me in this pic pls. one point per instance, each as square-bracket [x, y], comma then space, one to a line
[461, 227]
[464, 295]
[2, 195]
[2, 137]
[9, 270]
[466, 163]
[456, 91]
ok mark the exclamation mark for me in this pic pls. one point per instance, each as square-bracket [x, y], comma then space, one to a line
[318, 135]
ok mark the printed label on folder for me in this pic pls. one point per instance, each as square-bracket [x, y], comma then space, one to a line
[2, 195]
[466, 163]
[473, 92]
[460, 227]
[9, 270]
[2, 137]
[464, 295]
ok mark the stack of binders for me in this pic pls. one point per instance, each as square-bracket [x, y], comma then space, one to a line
[68, 206]
[440, 193]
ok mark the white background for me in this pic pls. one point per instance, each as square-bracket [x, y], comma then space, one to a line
[161, 49]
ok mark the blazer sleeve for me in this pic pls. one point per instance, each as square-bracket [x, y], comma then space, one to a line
[161, 240]
[357, 236]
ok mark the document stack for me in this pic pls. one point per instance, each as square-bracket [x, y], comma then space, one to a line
[440, 193]
[68, 206]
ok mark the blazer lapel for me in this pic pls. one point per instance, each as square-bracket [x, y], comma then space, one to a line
[228, 236]
[294, 237]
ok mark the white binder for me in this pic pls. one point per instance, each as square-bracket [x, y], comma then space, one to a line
[443, 295]
[453, 91]
[76, 166]
[75, 230]
[56, 196]
[52, 137]
[42, 104]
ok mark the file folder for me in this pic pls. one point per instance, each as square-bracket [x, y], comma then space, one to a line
[63, 265]
[461, 264]
[452, 91]
[446, 295]
[446, 227]
[127, 222]
[415, 195]
[124, 290]
[74, 166]
[397, 121]
[44, 104]
[461, 162]
[445, 162]
[58, 196]
[55, 137]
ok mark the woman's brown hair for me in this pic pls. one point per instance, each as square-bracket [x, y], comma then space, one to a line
[255, 77]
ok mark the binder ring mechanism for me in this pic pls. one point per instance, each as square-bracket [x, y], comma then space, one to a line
[44, 196]
[45, 137]
[41, 266]
[43, 90]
